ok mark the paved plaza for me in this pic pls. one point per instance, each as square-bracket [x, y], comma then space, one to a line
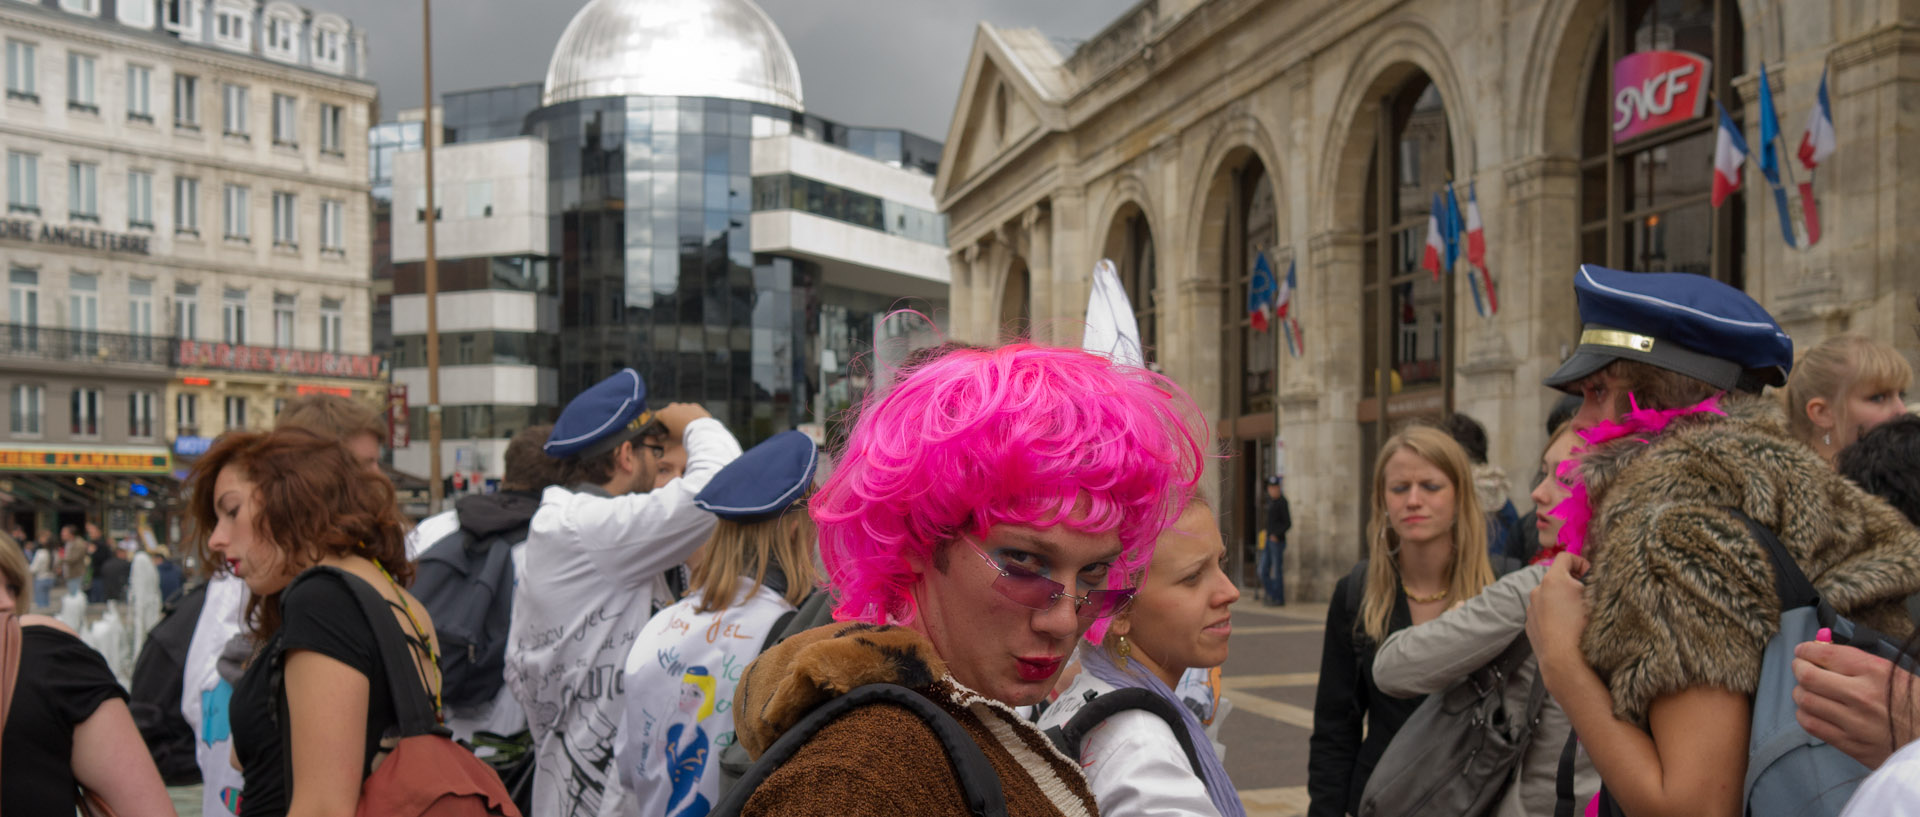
[1270, 678]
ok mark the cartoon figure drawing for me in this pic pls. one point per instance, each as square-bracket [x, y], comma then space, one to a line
[688, 747]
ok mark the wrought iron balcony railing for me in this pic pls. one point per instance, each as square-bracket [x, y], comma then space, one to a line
[76, 345]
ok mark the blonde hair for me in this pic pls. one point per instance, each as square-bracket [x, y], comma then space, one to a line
[1833, 368]
[1469, 571]
[737, 550]
[14, 570]
[706, 685]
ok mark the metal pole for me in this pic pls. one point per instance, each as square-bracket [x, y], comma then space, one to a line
[434, 491]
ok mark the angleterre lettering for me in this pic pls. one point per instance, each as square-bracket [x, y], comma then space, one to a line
[77, 237]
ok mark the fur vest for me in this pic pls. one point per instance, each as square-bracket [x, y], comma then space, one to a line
[1680, 595]
[882, 760]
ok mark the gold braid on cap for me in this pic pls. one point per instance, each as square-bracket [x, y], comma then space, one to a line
[1617, 339]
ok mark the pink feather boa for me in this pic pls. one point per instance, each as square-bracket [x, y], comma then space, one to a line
[1576, 511]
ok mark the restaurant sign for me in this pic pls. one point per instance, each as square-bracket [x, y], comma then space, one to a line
[77, 237]
[193, 354]
[86, 460]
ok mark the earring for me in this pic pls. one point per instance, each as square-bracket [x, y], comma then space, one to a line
[1827, 438]
[1124, 650]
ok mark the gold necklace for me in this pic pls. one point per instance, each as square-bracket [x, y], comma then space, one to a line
[1424, 599]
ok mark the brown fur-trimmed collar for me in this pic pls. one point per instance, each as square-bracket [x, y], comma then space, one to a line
[824, 663]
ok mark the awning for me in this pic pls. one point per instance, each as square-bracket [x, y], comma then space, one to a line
[82, 460]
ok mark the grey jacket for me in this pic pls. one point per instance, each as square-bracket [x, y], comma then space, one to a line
[1430, 657]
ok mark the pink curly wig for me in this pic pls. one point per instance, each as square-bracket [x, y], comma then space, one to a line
[1020, 435]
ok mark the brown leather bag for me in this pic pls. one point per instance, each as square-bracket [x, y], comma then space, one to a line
[424, 773]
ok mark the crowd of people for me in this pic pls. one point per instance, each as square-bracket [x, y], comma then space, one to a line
[1004, 591]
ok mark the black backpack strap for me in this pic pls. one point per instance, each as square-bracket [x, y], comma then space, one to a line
[1356, 588]
[1069, 736]
[411, 704]
[1789, 583]
[777, 633]
[978, 781]
[1563, 804]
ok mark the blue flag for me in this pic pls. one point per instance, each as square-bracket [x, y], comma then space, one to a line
[1769, 132]
[1452, 227]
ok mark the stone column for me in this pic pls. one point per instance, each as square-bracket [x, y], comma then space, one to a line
[1319, 393]
[1038, 250]
[960, 298]
[1070, 273]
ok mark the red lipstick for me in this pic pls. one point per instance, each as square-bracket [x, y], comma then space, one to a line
[1038, 669]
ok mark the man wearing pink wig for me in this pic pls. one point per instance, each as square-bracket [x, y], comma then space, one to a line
[981, 519]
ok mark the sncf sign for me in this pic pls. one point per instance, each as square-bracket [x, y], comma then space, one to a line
[1654, 89]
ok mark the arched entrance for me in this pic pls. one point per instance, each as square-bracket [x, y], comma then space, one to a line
[1645, 198]
[1407, 353]
[1016, 302]
[1130, 246]
[1240, 220]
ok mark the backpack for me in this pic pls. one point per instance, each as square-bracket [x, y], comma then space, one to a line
[1789, 772]
[467, 588]
[1072, 735]
[979, 784]
[159, 675]
[423, 773]
[1461, 749]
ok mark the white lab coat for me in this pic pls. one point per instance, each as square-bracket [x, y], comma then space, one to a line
[590, 580]
[1133, 763]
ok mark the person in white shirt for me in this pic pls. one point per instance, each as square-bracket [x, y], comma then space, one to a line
[592, 577]
[681, 673]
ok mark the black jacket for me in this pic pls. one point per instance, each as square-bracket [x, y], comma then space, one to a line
[1339, 761]
[1279, 520]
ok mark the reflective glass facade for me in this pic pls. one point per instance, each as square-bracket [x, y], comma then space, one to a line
[485, 114]
[790, 192]
[649, 201]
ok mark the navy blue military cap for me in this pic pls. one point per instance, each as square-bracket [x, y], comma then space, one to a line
[607, 414]
[1684, 323]
[763, 482]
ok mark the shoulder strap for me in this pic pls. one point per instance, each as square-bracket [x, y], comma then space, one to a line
[1789, 583]
[1070, 735]
[1563, 805]
[1356, 588]
[779, 629]
[411, 705]
[9, 665]
[978, 781]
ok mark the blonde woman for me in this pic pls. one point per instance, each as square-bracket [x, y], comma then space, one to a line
[1842, 388]
[1180, 619]
[680, 676]
[1423, 508]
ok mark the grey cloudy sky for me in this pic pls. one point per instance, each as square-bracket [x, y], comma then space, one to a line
[892, 63]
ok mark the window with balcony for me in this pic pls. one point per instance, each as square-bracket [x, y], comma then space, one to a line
[23, 309]
[140, 93]
[186, 414]
[330, 118]
[83, 313]
[29, 406]
[186, 205]
[186, 311]
[140, 414]
[236, 214]
[80, 84]
[233, 317]
[139, 200]
[286, 232]
[234, 110]
[330, 325]
[23, 183]
[140, 318]
[283, 311]
[23, 81]
[286, 122]
[83, 192]
[333, 232]
[186, 102]
[85, 412]
[236, 412]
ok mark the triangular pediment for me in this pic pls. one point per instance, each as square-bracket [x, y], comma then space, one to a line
[1012, 94]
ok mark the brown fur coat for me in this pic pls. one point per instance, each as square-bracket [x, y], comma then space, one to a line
[881, 759]
[1681, 595]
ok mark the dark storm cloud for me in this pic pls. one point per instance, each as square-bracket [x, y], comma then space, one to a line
[864, 62]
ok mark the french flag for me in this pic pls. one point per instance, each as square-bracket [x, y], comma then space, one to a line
[1477, 250]
[1433, 258]
[1816, 144]
[1285, 298]
[1729, 155]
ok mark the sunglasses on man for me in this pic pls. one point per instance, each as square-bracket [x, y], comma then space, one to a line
[1036, 592]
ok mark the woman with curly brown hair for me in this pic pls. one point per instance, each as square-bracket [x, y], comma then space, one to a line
[272, 507]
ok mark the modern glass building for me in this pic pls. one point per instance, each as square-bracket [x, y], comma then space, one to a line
[691, 221]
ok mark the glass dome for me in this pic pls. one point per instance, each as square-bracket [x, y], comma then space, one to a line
[727, 49]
